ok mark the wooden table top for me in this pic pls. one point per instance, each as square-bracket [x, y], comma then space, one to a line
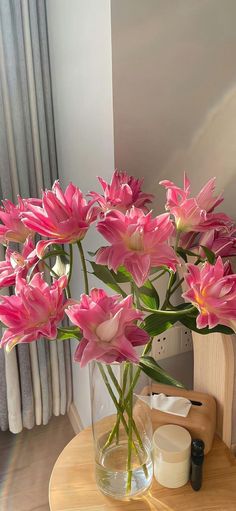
[73, 487]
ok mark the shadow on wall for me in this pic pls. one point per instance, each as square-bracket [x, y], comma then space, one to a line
[212, 152]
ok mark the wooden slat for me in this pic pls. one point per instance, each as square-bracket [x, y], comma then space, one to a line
[214, 367]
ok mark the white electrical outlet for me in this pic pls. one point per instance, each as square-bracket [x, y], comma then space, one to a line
[167, 344]
[174, 341]
[186, 340]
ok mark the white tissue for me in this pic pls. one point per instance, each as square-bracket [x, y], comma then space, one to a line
[169, 404]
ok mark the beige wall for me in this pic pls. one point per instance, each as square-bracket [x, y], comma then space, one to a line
[174, 86]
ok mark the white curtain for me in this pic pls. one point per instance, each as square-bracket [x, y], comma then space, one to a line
[35, 379]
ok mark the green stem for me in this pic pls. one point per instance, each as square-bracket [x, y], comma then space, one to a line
[71, 262]
[199, 260]
[172, 276]
[177, 313]
[132, 386]
[146, 350]
[124, 382]
[114, 380]
[176, 286]
[68, 291]
[53, 253]
[115, 431]
[136, 294]
[113, 397]
[168, 291]
[127, 401]
[178, 234]
[130, 432]
[81, 252]
[51, 270]
[120, 411]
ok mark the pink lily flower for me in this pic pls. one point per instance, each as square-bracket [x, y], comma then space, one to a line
[109, 328]
[17, 263]
[63, 217]
[122, 193]
[222, 242]
[12, 227]
[138, 241]
[213, 291]
[33, 312]
[174, 194]
[194, 214]
[228, 270]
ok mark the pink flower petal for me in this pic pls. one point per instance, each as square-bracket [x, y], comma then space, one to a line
[109, 328]
[35, 310]
[138, 242]
[213, 292]
[63, 217]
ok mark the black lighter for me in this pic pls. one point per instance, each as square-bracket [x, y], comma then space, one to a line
[197, 458]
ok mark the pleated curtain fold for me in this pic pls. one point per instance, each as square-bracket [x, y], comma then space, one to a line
[35, 379]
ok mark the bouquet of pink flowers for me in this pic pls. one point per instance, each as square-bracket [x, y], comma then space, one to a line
[138, 249]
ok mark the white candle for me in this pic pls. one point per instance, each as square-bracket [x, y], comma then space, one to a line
[172, 451]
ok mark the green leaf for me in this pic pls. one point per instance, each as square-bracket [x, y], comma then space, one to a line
[92, 254]
[106, 276]
[150, 367]
[190, 322]
[183, 307]
[172, 279]
[211, 257]
[122, 275]
[70, 332]
[148, 294]
[156, 324]
[183, 252]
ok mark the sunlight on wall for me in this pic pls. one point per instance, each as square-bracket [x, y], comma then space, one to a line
[212, 152]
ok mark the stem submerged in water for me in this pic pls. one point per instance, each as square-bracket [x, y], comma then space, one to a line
[124, 382]
[130, 433]
[123, 406]
[124, 402]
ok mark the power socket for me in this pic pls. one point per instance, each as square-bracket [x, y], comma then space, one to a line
[186, 340]
[167, 344]
[174, 341]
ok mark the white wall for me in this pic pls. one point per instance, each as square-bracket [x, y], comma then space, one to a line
[174, 82]
[80, 54]
[174, 92]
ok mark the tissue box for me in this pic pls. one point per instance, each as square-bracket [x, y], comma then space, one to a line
[201, 419]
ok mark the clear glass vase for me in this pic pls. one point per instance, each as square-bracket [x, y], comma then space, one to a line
[122, 430]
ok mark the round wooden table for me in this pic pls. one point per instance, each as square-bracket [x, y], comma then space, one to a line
[73, 488]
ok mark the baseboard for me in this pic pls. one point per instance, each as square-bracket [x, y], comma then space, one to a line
[75, 419]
